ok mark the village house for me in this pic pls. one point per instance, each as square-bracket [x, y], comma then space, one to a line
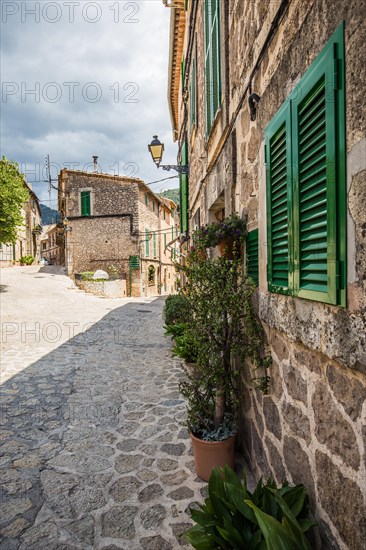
[51, 249]
[119, 223]
[267, 106]
[28, 236]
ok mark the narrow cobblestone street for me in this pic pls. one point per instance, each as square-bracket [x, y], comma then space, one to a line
[93, 452]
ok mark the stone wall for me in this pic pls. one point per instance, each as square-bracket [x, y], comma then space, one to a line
[116, 228]
[311, 427]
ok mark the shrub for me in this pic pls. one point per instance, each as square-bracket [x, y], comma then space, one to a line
[175, 310]
[27, 260]
[186, 347]
[270, 518]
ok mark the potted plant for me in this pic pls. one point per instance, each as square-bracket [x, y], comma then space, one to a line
[232, 517]
[228, 235]
[226, 332]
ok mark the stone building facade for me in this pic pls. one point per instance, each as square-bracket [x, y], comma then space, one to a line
[50, 245]
[300, 138]
[28, 236]
[110, 222]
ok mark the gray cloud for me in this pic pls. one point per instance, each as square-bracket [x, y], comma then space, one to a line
[124, 56]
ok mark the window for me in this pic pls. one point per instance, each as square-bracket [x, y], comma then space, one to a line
[153, 205]
[306, 193]
[212, 60]
[164, 241]
[164, 214]
[146, 200]
[252, 266]
[154, 242]
[85, 203]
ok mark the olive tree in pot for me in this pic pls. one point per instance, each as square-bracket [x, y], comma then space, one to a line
[225, 327]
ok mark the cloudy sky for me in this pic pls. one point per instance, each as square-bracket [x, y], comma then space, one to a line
[85, 78]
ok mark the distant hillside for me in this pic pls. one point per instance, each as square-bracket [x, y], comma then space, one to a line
[172, 194]
[49, 215]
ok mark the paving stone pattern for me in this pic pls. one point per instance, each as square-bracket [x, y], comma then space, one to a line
[93, 452]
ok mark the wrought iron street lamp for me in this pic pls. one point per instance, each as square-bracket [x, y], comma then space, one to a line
[156, 149]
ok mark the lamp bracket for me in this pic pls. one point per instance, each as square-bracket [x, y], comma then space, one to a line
[180, 168]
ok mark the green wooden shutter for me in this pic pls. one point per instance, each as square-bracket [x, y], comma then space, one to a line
[184, 191]
[315, 190]
[154, 241]
[207, 18]
[212, 60]
[164, 241]
[216, 69]
[192, 95]
[183, 71]
[252, 256]
[85, 203]
[306, 201]
[147, 242]
[279, 201]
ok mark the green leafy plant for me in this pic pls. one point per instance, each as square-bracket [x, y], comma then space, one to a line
[13, 194]
[186, 347]
[226, 332]
[212, 234]
[175, 309]
[272, 518]
[113, 272]
[27, 260]
[176, 329]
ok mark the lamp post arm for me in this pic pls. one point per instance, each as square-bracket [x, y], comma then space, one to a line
[180, 168]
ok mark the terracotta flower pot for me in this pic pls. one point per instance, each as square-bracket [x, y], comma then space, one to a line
[229, 248]
[212, 454]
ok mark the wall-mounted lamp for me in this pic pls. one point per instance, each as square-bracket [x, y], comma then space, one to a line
[253, 100]
[156, 149]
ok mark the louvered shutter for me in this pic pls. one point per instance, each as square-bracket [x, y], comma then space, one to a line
[279, 201]
[192, 94]
[147, 243]
[215, 44]
[252, 256]
[315, 189]
[184, 191]
[85, 203]
[208, 83]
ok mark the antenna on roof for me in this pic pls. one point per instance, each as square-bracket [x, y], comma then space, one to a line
[95, 161]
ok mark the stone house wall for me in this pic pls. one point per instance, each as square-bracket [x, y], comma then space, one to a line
[152, 218]
[310, 428]
[116, 228]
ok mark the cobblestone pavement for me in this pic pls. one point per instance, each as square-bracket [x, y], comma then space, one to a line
[93, 451]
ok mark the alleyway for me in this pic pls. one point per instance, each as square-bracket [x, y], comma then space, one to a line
[94, 454]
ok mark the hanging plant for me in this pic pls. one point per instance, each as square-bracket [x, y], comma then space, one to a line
[232, 229]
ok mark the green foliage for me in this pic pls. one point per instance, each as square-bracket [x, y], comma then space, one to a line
[208, 432]
[27, 260]
[270, 518]
[227, 333]
[210, 235]
[176, 329]
[87, 275]
[113, 272]
[172, 194]
[185, 346]
[175, 309]
[13, 194]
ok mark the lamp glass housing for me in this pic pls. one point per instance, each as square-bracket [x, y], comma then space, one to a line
[156, 149]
